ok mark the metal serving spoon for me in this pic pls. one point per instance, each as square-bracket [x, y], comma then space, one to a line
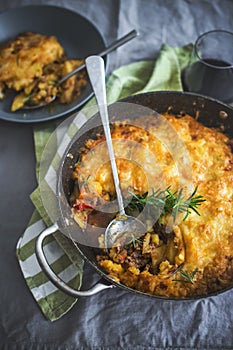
[123, 225]
[109, 49]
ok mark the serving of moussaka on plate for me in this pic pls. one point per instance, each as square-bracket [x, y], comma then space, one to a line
[32, 64]
[176, 176]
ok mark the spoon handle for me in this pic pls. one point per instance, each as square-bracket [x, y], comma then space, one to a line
[96, 72]
[109, 49]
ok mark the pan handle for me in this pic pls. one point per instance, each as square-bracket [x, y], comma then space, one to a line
[57, 280]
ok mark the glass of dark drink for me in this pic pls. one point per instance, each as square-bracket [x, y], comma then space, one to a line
[210, 71]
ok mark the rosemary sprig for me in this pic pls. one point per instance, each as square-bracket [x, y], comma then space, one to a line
[167, 202]
[135, 241]
[175, 203]
[139, 201]
[187, 276]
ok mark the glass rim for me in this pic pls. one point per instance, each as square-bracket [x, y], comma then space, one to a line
[203, 60]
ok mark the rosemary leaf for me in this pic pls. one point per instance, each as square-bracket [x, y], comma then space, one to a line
[187, 276]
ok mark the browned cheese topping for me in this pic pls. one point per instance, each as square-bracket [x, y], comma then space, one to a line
[174, 258]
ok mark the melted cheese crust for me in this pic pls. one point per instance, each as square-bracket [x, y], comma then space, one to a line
[176, 152]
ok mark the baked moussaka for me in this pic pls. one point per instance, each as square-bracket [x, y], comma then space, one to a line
[177, 175]
[32, 64]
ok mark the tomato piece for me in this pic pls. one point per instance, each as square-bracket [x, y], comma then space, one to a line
[82, 206]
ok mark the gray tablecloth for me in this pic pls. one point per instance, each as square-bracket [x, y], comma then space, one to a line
[112, 319]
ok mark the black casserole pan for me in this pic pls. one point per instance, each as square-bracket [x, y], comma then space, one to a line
[210, 112]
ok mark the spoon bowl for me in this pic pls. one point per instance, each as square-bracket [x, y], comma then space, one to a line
[122, 230]
[123, 226]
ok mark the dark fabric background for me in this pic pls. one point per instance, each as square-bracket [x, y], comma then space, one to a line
[112, 319]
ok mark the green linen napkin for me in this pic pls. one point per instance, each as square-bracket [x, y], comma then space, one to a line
[162, 74]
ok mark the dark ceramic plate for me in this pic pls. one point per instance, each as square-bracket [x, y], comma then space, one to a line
[75, 33]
